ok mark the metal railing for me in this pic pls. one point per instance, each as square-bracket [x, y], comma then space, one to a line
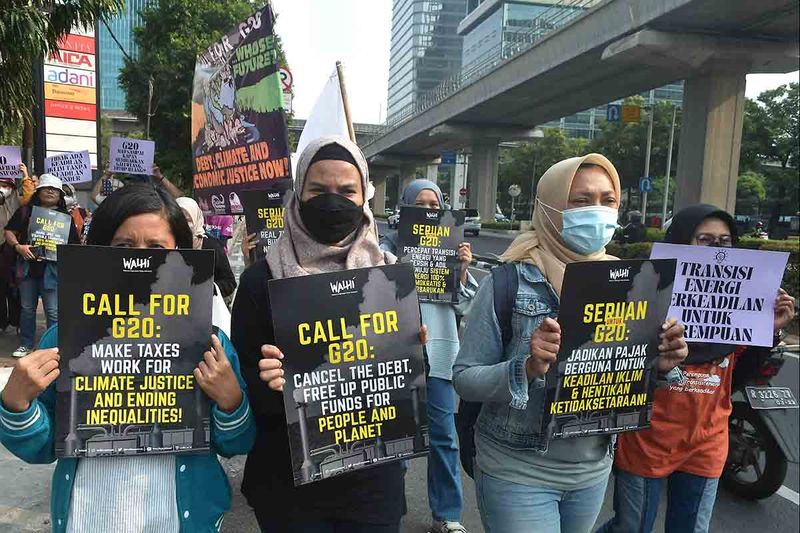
[554, 18]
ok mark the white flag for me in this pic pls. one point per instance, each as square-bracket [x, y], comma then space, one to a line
[327, 116]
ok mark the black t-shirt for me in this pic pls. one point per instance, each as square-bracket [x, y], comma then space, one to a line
[372, 496]
[223, 275]
[19, 224]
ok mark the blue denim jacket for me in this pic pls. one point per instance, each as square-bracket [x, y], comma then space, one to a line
[486, 371]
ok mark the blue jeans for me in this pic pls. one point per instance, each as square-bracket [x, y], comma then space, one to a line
[30, 289]
[508, 507]
[690, 501]
[445, 494]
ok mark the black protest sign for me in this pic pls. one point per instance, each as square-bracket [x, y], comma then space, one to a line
[46, 230]
[263, 215]
[429, 239]
[355, 377]
[132, 329]
[610, 315]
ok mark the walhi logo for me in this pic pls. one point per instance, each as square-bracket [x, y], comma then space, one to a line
[619, 274]
[136, 264]
[273, 195]
[432, 215]
[344, 286]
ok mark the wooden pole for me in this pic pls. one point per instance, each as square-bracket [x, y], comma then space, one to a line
[345, 101]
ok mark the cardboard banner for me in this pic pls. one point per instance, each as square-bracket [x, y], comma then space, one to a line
[725, 295]
[131, 156]
[71, 167]
[610, 315]
[239, 134]
[429, 239]
[355, 377]
[48, 229]
[132, 329]
[263, 215]
[10, 160]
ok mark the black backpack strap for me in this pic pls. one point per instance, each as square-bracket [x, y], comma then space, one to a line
[505, 283]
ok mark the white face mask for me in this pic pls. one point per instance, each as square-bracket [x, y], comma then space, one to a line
[6, 191]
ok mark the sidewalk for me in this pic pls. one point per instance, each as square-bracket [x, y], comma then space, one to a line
[9, 341]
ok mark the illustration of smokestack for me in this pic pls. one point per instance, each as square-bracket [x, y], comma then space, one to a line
[380, 448]
[199, 434]
[307, 469]
[72, 442]
[419, 439]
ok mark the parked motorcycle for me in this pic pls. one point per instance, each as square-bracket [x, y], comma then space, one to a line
[763, 432]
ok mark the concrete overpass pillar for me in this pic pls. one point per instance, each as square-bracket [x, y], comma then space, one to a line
[379, 200]
[711, 138]
[407, 175]
[482, 175]
[432, 173]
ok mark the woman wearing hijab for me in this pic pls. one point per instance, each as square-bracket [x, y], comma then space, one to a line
[445, 493]
[525, 483]
[327, 228]
[223, 275]
[9, 294]
[687, 443]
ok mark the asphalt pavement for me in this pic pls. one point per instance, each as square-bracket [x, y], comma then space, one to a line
[24, 497]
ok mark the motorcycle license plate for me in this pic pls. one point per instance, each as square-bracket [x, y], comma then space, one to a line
[771, 398]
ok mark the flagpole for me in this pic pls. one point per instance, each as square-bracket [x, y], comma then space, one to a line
[345, 101]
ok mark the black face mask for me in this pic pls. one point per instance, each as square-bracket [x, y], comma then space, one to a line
[330, 217]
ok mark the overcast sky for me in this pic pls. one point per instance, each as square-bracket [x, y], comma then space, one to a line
[317, 33]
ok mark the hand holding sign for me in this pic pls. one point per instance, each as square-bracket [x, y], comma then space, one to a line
[784, 310]
[270, 367]
[215, 376]
[544, 345]
[673, 348]
[465, 257]
[32, 375]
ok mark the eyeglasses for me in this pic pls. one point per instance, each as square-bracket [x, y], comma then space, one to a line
[709, 239]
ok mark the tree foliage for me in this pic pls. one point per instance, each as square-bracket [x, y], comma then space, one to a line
[29, 31]
[173, 32]
[750, 192]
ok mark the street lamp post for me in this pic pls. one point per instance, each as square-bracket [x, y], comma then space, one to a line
[647, 156]
[669, 167]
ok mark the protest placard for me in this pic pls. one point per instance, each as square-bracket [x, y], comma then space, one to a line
[132, 329]
[610, 315]
[263, 215]
[47, 229]
[355, 377]
[70, 167]
[131, 156]
[239, 134]
[10, 159]
[725, 295]
[429, 239]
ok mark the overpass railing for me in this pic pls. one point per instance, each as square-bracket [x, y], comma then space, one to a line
[555, 17]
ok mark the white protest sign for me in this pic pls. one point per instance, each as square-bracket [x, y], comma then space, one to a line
[10, 160]
[131, 156]
[724, 295]
[71, 167]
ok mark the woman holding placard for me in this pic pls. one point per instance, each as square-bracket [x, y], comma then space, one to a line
[132, 494]
[686, 445]
[445, 493]
[525, 483]
[38, 277]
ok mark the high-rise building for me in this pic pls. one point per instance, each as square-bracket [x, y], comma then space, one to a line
[425, 49]
[112, 59]
[499, 28]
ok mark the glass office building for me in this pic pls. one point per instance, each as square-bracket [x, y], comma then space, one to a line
[112, 59]
[425, 49]
[492, 27]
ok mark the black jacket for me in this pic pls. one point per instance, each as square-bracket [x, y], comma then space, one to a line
[223, 275]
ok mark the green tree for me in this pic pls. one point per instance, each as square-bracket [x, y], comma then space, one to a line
[29, 31]
[750, 193]
[172, 33]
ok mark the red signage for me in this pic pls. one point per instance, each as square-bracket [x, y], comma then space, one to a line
[76, 110]
[463, 191]
[71, 59]
[77, 43]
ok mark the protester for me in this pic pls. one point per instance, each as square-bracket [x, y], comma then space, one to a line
[105, 186]
[28, 185]
[634, 231]
[132, 494]
[78, 213]
[223, 275]
[525, 483]
[687, 444]
[220, 227]
[39, 278]
[9, 292]
[445, 493]
[327, 228]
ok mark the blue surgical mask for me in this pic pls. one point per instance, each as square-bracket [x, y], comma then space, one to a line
[586, 230]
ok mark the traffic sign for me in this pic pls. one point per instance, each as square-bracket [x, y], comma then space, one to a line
[448, 158]
[463, 191]
[613, 112]
[286, 79]
[645, 184]
[631, 113]
[514, 190]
